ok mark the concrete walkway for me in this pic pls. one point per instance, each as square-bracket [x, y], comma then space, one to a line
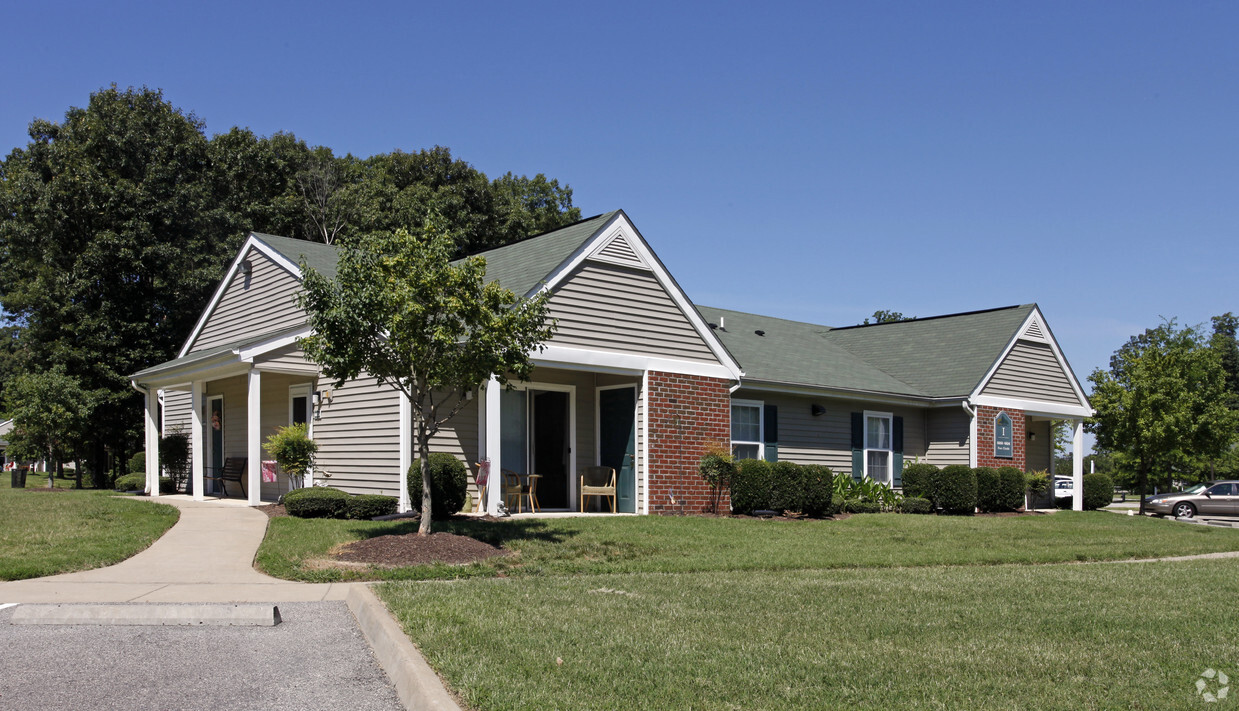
[207, 556]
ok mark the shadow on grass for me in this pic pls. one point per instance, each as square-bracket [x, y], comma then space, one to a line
[496, 533]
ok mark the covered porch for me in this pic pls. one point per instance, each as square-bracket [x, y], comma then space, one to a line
[228, 400]
[540, 436]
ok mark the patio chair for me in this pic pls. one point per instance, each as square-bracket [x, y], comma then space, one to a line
[233, 470]
[515, 487]
[598, 481]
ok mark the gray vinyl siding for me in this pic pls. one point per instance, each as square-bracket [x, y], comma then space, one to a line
[1037, 451]
[827, 439]
[459, 438]
[358, 436]
[262, 303]
[608, 307]
[274, 415]
[177, 413]
[947, 431]
[290, 356]
[1031, 372]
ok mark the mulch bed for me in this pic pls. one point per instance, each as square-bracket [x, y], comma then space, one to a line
[411, 549]
[273, 510]
[44, 489]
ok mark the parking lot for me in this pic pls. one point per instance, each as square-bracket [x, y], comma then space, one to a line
[315, 659]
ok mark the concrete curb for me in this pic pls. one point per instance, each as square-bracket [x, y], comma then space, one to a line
[417, 685]
[159, 615]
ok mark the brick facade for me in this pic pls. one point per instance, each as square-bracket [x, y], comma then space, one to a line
[687, 413]
[985, 438]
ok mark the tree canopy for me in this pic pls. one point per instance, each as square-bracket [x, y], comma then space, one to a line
[49, 417]
[886, 316]
[402, 311]
[1162, 404]
[119, 220]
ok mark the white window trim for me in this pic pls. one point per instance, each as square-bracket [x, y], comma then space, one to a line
[761, 425]
[890, 451]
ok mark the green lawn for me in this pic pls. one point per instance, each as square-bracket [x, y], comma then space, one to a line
[47, 533]
[1106, 636]
[876, 611]
[691, 544]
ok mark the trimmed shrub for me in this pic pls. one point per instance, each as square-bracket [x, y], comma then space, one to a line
[130, 482]
[987, 488]
[856, 506]
[166, 485]
[366, 506]
[137, 463]
[786, 487]
[449, 484]
[916, 505]
[918, 480]
[817, 482]
[955, 489]
[316, 502]
[1011, 483]
[716, 468]
[1098, 491]
[750, 486]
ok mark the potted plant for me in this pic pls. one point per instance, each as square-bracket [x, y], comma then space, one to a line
[293, 450]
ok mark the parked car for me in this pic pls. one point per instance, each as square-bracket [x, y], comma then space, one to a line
[1064, 488]
[1219, 498]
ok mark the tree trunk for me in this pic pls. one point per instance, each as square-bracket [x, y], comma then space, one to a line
[1142, 481]
[423, 453]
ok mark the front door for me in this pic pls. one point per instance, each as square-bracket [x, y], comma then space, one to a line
[550, 448]
[215, 435]
[617, 442]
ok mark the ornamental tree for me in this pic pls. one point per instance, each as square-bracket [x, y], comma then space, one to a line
[1162, 402]
[49, 416]
[401, 310]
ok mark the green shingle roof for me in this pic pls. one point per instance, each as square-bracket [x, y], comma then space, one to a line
[942, 356]
[519, 266]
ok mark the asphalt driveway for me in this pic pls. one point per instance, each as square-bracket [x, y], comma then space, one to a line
[315, 659]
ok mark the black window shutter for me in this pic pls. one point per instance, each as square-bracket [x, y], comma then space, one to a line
[897, 452]
[770, 432]
[858, 446]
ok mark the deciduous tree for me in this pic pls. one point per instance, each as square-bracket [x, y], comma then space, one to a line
[49, 418]
[1162, 401]
[402, 311]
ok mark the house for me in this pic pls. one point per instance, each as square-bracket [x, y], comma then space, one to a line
[636, 377]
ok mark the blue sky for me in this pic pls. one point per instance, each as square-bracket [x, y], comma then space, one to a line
[813, 161]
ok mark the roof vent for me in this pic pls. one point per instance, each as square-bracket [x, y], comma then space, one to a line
[713, 326]
[722, 323]
[760, 332]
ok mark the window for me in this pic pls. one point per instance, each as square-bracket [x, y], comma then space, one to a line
[746, 429]
[1221, 490]
[298, 404]
[878, 446]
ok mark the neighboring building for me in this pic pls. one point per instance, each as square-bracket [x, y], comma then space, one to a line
[636, 378]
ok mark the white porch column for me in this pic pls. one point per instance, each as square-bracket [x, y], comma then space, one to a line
[152, 442]
[1077, 464]
[253, 438]
[406, 452]
[197, 443]
[494, 489]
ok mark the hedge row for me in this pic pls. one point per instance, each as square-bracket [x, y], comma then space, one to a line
[759, 485]
[325, 502]
[999, 489]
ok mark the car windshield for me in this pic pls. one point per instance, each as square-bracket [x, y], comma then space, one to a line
[1063, 484]
[1195, 489]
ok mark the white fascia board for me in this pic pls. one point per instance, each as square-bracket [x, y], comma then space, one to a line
[628, 363]
[252, 242]
[224, 366]
[1034, 407]
[620, 226]
[1049, 338]
[248, 354]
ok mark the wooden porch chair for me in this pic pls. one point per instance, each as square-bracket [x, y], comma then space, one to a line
[233, 470]
[514, 487]
[597, 481]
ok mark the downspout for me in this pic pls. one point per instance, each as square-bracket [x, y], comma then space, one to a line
[972, 432]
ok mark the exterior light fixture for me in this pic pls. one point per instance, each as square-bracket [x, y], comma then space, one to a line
[817, 410]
